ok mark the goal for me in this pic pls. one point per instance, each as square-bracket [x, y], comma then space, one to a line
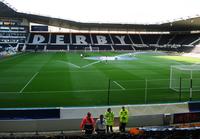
[185, 77]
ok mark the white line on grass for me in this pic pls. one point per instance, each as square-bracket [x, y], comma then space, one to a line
[29, 82]
[113, 70]
[68, 63]
[119, 85]
[63, 91]
[68, 91]
[74, 65]
[74, 91]
[90, 64]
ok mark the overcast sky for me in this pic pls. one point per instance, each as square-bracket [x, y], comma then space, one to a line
[116, 11]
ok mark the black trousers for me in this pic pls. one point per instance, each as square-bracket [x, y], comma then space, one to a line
[122, 127]
[88, 129]
[107, 128]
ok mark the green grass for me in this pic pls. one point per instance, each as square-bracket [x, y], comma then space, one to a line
[64, 79]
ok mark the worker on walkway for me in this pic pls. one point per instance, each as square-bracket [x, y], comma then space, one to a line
[100, 125]
[109, 116]
[123, 119]
[87, 124]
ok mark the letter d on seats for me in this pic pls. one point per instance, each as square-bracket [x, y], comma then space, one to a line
[38, 39]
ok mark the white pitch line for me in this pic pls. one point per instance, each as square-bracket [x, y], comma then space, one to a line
[90, 64]
[29, 82]
[119, 85]
[67, 91]
[74, 65]
[74, 91]
[68, 63]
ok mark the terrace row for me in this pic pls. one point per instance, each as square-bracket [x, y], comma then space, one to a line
[106, 48]
[113, 39]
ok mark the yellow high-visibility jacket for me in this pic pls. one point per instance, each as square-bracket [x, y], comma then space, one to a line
[109, 116]
[123, 116]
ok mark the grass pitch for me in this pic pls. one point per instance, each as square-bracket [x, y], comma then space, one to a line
[66, 79]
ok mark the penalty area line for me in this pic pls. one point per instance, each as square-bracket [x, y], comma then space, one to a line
[119, 85]
[29, 82]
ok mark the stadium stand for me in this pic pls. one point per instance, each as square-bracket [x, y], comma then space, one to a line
[123, 47]
[121, 39]
[57, 47]
[30, 47]
[78, 47]
[150, 39]
[1, 49]
[38, 38]
[136, 39]
[101, 39]
[103, 47]
[57, 38]
[130, 42]
[81, 39]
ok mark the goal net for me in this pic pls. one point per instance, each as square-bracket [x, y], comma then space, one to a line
[185, 77]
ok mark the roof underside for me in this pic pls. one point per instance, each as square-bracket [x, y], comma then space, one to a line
[181, 25]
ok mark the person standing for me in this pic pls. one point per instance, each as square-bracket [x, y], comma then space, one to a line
[109, 116]
[123, 119]
[87, 124]
[100, 125]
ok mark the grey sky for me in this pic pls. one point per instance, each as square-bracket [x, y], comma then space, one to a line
[116, 11]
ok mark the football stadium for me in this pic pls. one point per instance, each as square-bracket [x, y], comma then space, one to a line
[50, 79]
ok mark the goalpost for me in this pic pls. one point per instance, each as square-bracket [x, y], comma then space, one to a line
[185, 77]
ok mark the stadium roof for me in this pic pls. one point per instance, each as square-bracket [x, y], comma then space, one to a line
[189, 24]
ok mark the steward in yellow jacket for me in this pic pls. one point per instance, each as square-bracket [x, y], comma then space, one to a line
[123, 119]
[109, 116]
